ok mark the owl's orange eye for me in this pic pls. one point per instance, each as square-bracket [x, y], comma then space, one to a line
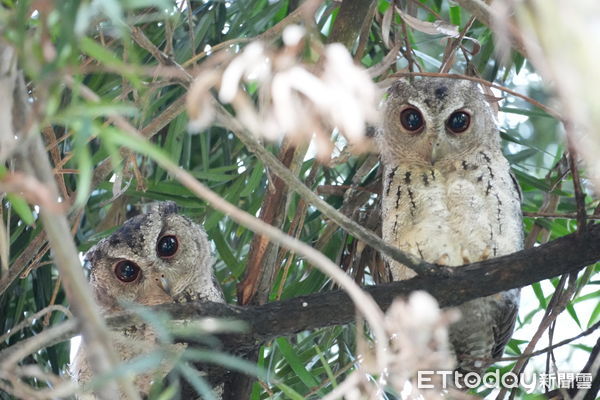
[127, 271]
[412, 120]
[167, 246]
[458, 121]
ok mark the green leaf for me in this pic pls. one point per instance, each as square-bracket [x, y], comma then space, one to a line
[193, 376]
[289, 392]
[100, 53]
[326, 367]
[213, 176]
[518, 61]
[455, 12]
[254, 180]
[95, 110]
[139, 144]
[537, 289]
[108, 58]
[521, 155]
[295, 363]
[226, 360]
[595, 316]
[524, 111]
[589, 296]
[84, 162]
[21, 208]
[526, 179]
[226, 254]
[573, 314]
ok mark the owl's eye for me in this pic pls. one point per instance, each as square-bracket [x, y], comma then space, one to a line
[411, 120]
[167, 246]
[127, 271]
[458, 122]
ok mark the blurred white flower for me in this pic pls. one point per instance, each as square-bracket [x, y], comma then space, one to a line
[292, 35]
[419, 341]
[250, 62]
[297, 99]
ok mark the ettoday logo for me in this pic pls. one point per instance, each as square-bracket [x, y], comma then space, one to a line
[508, 380]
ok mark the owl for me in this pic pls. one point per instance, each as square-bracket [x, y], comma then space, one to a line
[154, 258]
[450, 199]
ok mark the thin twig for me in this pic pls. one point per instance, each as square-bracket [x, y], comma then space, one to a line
[484, 13]
[65, 254]
[587, 332]
[593, 370]
[429, 9]
[409, 51]
[579, 195]
[23, 260]
[163, 58]
[541, 214]
[28, 321]
[550, 202]
[12, 355]
[557, 305]
[446, 65]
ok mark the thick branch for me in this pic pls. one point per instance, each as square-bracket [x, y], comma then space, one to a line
[349, 22]
[567, 254]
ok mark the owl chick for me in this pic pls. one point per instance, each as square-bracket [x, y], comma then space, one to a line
[154, 258]
[449, 198]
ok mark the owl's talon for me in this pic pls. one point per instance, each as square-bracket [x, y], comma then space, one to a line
[443, 260]
[466, 257]
[486, 253]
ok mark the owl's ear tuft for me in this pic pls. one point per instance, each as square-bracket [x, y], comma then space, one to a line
[89, 257]
[492, 99]
[168, 207]
[162, 207]
[89, 260]
[398, 86]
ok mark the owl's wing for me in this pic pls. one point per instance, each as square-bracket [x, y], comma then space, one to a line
[506, 317]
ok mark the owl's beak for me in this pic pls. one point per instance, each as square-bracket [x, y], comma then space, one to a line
[437, 150]
[434, 153]
[164, 285]
[156, 293]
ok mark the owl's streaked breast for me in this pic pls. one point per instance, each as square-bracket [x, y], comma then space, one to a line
[451, 214]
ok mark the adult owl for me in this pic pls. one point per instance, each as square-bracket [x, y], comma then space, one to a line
[154, 258]
[449, 198]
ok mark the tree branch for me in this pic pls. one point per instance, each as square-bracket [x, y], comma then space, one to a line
[349, 22]
[567, 254]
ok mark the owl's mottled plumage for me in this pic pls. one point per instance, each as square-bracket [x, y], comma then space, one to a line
[140, 253]
[449, 197]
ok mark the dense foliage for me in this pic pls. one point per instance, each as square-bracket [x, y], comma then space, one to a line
[131, 55]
